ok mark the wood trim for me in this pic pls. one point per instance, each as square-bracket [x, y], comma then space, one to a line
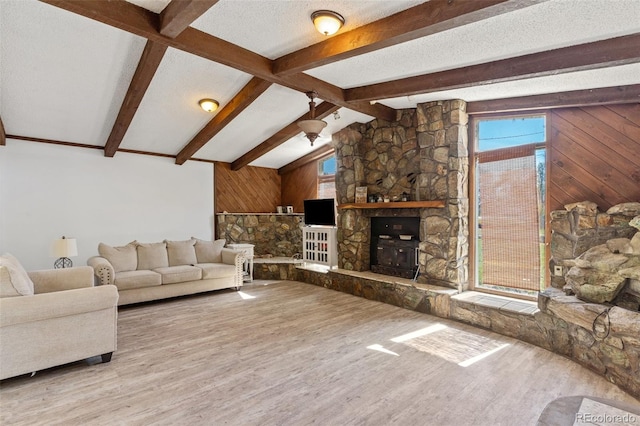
[576, 98]
[137, 20]
[281, 136]
[179, 14]
[599, 54]
[394, 205]
[3, 135]
[239, 103]
[420, 21]
[83, 145]
[319, 153]
[147, 67]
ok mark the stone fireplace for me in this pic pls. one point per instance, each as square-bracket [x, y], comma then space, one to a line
[423, 156]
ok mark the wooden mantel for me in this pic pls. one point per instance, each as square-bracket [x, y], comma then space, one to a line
[394, 205]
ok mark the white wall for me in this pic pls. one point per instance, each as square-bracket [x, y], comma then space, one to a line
[47, 191]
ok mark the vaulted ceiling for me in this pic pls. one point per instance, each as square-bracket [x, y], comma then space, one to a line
[126, 76]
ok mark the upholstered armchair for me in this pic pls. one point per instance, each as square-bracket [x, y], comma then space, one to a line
[53, 317]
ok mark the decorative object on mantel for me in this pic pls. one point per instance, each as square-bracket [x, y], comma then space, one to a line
[327, 22]
[361, 194]
[64, 248]
[312, 127]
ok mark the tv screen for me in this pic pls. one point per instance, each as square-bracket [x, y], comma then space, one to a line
[320, 212]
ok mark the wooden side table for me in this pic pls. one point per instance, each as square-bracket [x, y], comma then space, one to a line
[248, 262]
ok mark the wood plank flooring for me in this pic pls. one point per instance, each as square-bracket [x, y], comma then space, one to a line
[296, 354]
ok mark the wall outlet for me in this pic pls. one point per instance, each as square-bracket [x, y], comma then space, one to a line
[557, 270]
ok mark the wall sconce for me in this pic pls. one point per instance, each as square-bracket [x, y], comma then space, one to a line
[64, 248]
[327, 22]
[209, 105]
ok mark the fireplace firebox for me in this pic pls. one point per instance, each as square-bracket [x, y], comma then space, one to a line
[394, 245]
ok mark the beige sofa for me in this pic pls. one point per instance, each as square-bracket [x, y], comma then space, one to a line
[53, 317]
[150, 271]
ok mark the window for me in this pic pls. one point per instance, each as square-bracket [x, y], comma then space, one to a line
[327, 177]
[509, 192]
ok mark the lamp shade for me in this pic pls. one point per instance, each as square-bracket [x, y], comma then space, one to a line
[65, 247]
[327, 22]
[312, 126]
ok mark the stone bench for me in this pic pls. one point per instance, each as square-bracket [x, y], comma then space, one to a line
[275, 268]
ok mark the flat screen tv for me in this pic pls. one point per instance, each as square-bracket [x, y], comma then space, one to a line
[320, 212]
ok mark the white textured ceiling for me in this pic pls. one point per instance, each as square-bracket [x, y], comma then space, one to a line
[63, 77]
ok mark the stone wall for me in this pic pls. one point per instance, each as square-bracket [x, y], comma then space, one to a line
[424, 155]
[271, 233]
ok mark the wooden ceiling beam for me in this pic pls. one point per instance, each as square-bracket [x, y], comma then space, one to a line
[419, 21]
[3, 134]
[319, 153]
[577, 98]
[147, 67]
[598, 54]
[281, 136]
[179, 14]
[239, 103]
[137, 20]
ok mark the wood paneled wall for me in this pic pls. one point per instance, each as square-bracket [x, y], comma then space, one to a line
[248, 190]
[299, 185]
[595, 155]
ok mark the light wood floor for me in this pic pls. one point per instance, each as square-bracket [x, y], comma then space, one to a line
[297, 354]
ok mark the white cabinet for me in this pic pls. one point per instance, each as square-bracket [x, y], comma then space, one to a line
[319, 245]
[248, 259]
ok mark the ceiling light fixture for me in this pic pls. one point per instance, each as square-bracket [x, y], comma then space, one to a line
[327, 22]
[209, 105]
[312, 127]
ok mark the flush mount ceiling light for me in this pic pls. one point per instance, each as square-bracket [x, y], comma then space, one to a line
[312, 127]
[209, 105]
[327, 22]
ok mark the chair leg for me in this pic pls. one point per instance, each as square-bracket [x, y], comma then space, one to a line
[106, 357]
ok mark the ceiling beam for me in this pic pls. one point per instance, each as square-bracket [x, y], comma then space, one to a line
[147, 67]
[239, 103]
[598, 54]
[3, 134]
[319, 153]
[419, 21]
[281, 136]
[576, 98]
[179, 14]
[137, 20]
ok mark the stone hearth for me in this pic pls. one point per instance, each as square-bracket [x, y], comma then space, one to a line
[423, 155]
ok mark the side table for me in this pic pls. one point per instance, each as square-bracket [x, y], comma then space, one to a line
[248, 262]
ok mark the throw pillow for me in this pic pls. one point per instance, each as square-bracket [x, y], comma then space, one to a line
[123, 258]
[181, 252]
[17, 278]
[152, 256]
[209, 251]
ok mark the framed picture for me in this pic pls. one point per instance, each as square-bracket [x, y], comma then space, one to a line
[361, 194]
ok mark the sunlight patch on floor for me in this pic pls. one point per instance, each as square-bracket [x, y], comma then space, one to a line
[382, 349]
[245, 296]
[457, 346]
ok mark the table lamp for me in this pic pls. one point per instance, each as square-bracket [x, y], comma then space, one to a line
[64, 248]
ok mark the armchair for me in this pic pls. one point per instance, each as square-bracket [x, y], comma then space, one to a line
[53, 317]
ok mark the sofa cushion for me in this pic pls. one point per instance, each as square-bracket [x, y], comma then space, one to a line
[14, 280]
[137, 279]
[178, 274]
[123, 258]
[216, 270]
[209, 251]
[152, 256]
[181, 252]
